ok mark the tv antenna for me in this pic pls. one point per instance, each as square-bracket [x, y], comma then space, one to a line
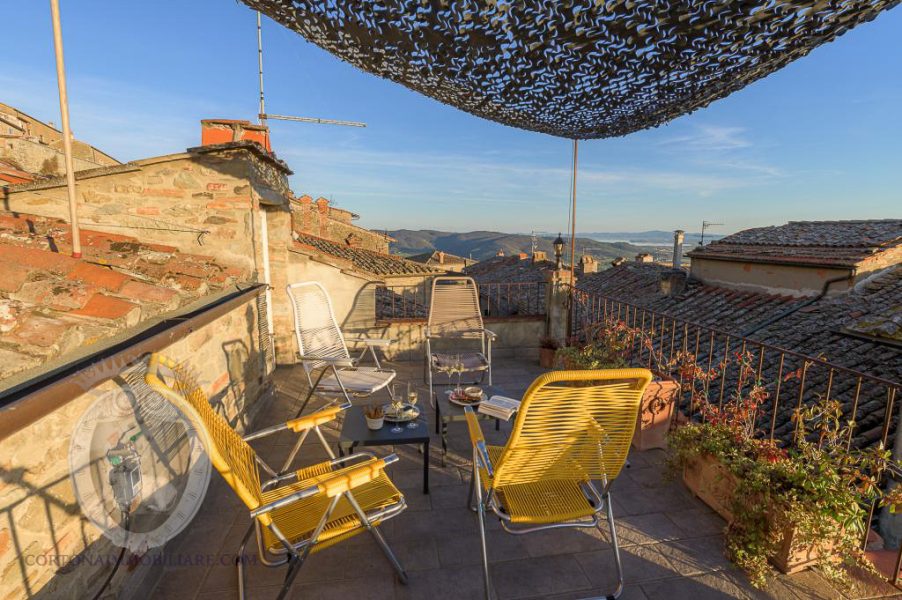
[263, 116]
[535, 242]
[705, 226]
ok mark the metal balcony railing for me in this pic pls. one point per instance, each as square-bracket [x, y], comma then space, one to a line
[497, 299]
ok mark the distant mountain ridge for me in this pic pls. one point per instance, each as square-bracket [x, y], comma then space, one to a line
[485, 244]
[655, 236]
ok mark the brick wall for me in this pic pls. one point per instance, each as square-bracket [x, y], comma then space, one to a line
[316, 217]
[41, 518]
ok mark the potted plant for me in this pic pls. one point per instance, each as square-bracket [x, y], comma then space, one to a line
[794, 507]
[612, 345]
[547, 348]
[375, 416]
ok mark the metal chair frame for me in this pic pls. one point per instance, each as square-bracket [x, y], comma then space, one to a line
[291, 553]
[599, 500]
[331, 354]
[457, 317]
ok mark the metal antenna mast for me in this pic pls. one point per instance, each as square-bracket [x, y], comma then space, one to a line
[262, 116]
[705, 226]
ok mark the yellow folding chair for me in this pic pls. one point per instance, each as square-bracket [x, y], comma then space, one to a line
[573, 430]
[296, 513]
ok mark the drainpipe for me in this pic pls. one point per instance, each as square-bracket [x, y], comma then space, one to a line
[264, 242]
[794, 309]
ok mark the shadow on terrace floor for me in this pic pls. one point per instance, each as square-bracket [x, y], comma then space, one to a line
[672, 544]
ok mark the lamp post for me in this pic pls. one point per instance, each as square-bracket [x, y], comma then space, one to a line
[558, 244]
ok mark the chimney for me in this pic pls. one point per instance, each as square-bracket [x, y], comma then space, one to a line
[678, 248]
[441, 257]
[523, 256]
[644, 258]
[500, 252]
[588, 263]
[618, 261]
[223, 131]
[539, 256]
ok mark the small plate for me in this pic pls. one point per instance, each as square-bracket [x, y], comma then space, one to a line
[465, 400]
[408, 413]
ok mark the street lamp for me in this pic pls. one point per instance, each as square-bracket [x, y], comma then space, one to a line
[558, 244]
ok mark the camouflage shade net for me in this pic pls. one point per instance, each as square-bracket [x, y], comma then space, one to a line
[578, 70]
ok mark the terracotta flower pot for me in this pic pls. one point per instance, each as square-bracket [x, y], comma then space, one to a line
[793, 555]
[712, 483]
[655, 414]
[546, 357]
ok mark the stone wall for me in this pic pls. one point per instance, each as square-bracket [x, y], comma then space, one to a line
[199, 203]
[517, 338]
[33, 157]
[48, 549]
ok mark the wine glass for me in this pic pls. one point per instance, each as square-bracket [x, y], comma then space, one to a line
[412, 401]
[397, 406]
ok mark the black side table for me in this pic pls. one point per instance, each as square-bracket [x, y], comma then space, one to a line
[354, 432]
[448, 412]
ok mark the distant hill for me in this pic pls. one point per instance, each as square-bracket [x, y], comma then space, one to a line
[485, 244]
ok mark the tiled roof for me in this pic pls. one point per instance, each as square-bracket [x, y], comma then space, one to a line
[829, 243]
[858, 330]
[433, 256]
[722, 308]
[10, 174]
[509, 269]
[51, 303]
[367, 261]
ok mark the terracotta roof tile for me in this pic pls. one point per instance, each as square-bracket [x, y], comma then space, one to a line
[367, 261]
[51, 303]
[828, 243]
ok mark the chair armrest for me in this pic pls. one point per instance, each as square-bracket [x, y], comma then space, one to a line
[301, 423]
[333, 361]
[318, 418]
[490, 334]
[332, 484]
[351, 477]
[478, 440]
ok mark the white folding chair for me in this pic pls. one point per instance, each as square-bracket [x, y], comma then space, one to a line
[454, 313]
[322, 347]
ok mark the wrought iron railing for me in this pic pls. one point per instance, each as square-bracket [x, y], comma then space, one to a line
[791, 379]
[497, 299]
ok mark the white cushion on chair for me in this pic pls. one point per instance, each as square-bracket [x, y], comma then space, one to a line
[362, 380]
[472, 361]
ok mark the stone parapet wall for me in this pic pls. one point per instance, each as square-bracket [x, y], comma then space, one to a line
[34, 157]
[203, 204]
[48, 549]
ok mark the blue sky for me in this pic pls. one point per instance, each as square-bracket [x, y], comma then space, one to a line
[821, 139]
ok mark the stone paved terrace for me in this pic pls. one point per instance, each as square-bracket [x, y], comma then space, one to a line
[671, 543]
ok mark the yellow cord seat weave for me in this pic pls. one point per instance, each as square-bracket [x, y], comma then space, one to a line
[541, 502]
[298, 520]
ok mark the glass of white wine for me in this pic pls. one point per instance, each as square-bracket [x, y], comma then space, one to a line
[397, 407]
[412, 401]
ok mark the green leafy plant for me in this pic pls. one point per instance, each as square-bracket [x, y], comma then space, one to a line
[819, 486]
